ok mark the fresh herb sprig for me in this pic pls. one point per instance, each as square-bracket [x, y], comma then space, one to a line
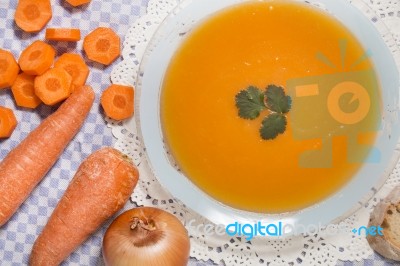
[252, 101]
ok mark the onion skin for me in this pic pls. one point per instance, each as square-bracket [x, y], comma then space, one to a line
[154, 238]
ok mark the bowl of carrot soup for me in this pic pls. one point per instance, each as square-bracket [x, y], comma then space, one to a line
[269, 110]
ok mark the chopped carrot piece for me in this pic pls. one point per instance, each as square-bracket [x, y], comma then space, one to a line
[37, 58]
[75, 66]
[32, 15]
[63, 34]
[24, 91]
[102, 45]
[8, 122]
[117, 101]
[78, 2]
[8, 69]
[53, 86]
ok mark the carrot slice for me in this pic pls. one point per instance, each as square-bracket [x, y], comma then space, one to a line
[75, 66]
[117, 101]
[37, 58]
[102, 45]
[78, 2]
[24, 91]
[53, 86]
[8, 122]
[8, 69]
[63, 34]
[32, 15]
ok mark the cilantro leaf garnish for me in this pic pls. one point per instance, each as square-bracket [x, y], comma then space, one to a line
[277, 101]
[272, 126]
[250, 103]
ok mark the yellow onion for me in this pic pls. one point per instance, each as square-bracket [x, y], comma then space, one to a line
[146, 236]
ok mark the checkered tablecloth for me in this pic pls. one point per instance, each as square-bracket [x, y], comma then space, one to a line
[19, 234]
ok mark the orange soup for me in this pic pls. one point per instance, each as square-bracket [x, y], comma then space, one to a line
[257, 43]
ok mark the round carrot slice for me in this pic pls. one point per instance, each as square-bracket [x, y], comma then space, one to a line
[117, 101]
[37, 58]
[32, 15]
[8, 122]
[63, 34]
[102, 45]
[77, 2]
[24, 91]
[53, 86]
[75, 66]
[8, 69]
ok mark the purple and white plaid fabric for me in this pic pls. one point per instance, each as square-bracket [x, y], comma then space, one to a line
[19, 234]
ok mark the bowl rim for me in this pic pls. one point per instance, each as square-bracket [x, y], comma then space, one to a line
[208, 207]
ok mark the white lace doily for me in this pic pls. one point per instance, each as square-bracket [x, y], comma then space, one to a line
[318, 249]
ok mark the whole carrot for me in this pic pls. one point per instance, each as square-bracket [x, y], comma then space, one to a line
[100, 187]
[23, 168]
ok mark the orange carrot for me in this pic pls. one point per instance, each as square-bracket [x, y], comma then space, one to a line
[32, 15]
[53, 86]
[78, 2]
[23, 168]
[117, 101]
[63, 34]
[24, 91]
[75, 66]
[102, 45]
[37, 58]
[8, 69]
[101, 186]
[8, 122]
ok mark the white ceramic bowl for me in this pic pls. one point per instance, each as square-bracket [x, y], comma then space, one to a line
[368, 179]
